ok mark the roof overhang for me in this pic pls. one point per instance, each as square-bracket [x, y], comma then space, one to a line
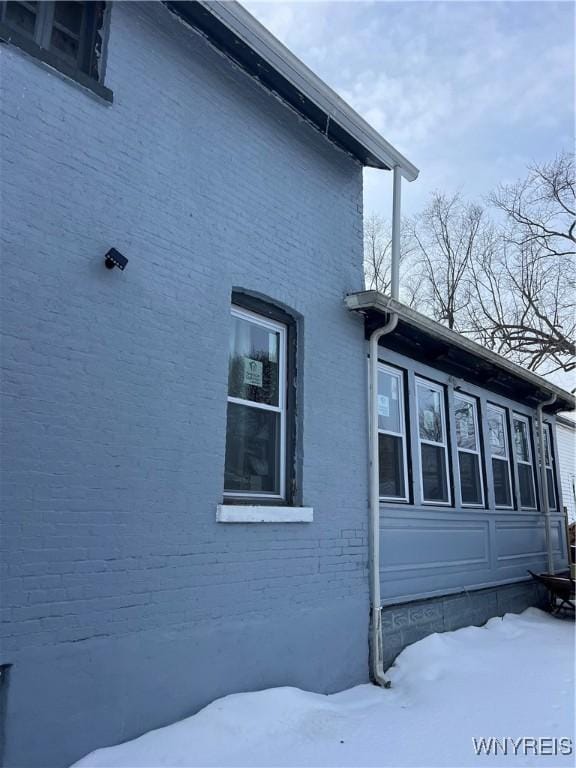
[233, 30]
[423, 339]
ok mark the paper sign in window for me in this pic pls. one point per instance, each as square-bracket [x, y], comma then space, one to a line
[252, 372]
[383, 405]
[429, 420]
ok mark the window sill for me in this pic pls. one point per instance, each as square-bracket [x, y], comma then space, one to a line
[244, 513]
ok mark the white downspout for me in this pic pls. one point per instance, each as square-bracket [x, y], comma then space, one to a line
[376, 655]
[544, 479]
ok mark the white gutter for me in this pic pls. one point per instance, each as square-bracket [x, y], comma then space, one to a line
[237, 19]
[372, 300]
[544, 479]
[376, 654]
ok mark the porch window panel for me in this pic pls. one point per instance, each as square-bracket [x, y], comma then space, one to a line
[524, 462]
[469, 453]
[432, 435]
[502, 490]
[548, 462]
[500, 455]
[392, 455]
[470, 479]
[391, 467]
[434, 475]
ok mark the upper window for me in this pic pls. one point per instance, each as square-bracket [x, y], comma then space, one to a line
[256, 422]
[523, 451]
[392, 435]
[64, 34]
[433, 443]
[549, 464]
[498, 440]
[469, 456]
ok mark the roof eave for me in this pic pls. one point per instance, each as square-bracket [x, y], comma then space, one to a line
[232, 29]
[363, 301]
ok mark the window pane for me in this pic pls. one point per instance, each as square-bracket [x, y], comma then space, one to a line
[69, 15]
[527, 498]
[521, 440]
[470, 485]
[551, 489]
[502, 490]
[465, 416]
[64, 44]
[434, 486]
[430, 414]
[252, 450]
[547, 460]
[391, 467]
[21, 17]
[254, 362]
[496, 432]
[389, 393]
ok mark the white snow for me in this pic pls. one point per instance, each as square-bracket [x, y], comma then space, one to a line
[511, 678]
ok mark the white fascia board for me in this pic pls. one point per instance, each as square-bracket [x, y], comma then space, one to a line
[246, 513]
[257, 37]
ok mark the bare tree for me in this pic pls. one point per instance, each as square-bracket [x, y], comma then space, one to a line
[524, 296]
[448, 236]
[377, 253]
[377, 259]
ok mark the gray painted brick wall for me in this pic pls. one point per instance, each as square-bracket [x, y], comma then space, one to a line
[124, 604]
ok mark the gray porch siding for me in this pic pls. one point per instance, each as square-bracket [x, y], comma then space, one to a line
[125, 605]
[430, 550]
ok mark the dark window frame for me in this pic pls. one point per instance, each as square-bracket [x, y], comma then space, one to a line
[270, 311]
[88, 72]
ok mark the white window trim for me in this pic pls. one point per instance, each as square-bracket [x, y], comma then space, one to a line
[550, 466]
[438, 388]
[478, 452]
[253, 513]
[280, 328]
[530, 463]
[402, 435]
[503, 411]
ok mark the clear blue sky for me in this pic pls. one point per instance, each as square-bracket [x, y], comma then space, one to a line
[471, 92]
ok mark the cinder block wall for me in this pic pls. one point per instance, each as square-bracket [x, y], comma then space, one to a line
[406, 623]
[124, 604]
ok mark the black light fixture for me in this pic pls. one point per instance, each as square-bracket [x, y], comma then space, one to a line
[115, 259]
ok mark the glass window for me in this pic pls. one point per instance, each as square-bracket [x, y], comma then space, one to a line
[256, 420]
[498, 443]
[523, 452]
[391, 435]
[66, 29]
[469, 456]
[433, 442]
[548, 463]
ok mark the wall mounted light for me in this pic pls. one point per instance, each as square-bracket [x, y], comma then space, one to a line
[115, 259]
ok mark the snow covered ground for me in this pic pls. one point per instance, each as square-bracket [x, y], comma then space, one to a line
[512, 678]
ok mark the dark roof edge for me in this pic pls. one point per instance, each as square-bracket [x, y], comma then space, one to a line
[378, 302]
[232, 29]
